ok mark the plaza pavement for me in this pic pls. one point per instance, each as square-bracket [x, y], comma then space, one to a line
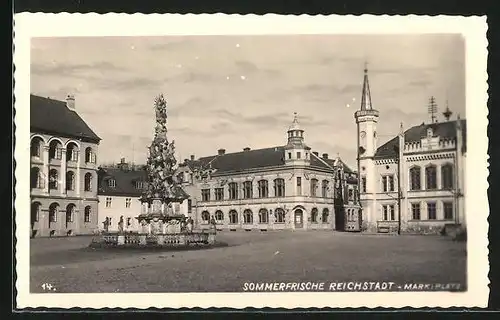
[280, 256]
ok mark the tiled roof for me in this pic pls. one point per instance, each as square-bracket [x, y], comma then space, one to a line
[54, 117]
[238, 162]
[415, 134]
[124, 182]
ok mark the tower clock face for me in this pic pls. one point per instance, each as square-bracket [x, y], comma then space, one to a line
[362, 134]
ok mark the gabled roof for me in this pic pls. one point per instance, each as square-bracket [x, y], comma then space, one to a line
[446, 130]
[125, 182]
[238, 162]
[54, 117]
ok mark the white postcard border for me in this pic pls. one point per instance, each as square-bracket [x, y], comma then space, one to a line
[473, 29]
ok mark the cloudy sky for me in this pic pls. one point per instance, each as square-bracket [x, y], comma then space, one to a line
[237, 91]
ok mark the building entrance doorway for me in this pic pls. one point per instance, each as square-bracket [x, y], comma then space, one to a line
[299, 219]
[339, 218]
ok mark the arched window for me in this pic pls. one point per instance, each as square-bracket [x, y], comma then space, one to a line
[279, 215]
[53, 209]
[53, 179]
[447, 176]
[35, 211]
[89, 155]
[55, 150]
[219, 216]
[415, 178]
[324, 188]
[324, 215]
[72, 152]
[205, 216]
[88, 182]
[247, 216]
[87, 213]
[70, 180]
[314, 215]
[263, 189]
[70, 211]
[36, 178]
[430, 177]
[279, 187]
[263, 216]
[36, 147]
[314, 187]
[233, 217]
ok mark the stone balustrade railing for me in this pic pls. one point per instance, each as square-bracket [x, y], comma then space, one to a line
[166, 239]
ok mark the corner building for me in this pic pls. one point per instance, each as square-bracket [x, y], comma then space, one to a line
[416, 180]
[63, 173]
[281, 187]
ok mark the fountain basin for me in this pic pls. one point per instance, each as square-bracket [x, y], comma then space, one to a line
[167, 240]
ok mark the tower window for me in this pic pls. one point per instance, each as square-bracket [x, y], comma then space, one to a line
[289, 155]
[298, 155]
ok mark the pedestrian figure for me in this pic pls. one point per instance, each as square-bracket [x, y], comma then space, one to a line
[106, 224]
[120, 225]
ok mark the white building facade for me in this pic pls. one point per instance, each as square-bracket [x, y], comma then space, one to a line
[425, 163]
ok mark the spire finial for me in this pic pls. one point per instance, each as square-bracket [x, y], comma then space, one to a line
[366, 67]
[366, 99]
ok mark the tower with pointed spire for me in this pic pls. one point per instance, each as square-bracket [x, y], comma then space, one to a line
[366, 121]
[296, 151]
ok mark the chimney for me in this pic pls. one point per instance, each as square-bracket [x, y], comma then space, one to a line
[246, 149]
[221, 152]
[122, 160]
[325, 155]
[316, 153]
[70, 102]
[192, 157]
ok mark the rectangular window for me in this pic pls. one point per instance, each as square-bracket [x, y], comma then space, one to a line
[298, 155]
[363, 184]
[233, 191]
[299, 186]
[351, 195]
[390, 183]
[448, 210]
[415, 210]
[393, 213]
[247, 189]
[219, 194]
[431, 210]
[314, 187]
[289, 155]
[263, 189]
[205, 195]
[128, 201]
[190, 205]
[388, 212]
[384, 183]
[324, 188]
[108, 202]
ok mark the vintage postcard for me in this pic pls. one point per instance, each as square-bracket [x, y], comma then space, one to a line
[250, 161]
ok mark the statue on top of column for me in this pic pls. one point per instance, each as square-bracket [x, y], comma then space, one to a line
[161, 161]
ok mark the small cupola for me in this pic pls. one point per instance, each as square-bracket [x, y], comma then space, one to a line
[295, 133]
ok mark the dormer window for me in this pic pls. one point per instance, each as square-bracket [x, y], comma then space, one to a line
[139, 185]
[112, 183]
[429, 133]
